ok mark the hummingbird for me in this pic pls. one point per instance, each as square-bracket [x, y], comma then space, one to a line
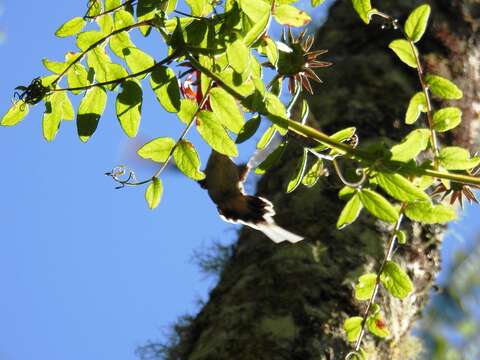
[224, 182]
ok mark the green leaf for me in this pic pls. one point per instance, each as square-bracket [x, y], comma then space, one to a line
[315, 172]
[401, 237]
[226, 108]
[365, 286]
[112, 4]
[259, 27]
[447, 118]
[200, 7]
[376, 325]
[154, 193]
[157, 150]
[417, 22]
[346, 192]
[443, 88]
[15, 114]
[395, 280]
[94, 8]
[71, 27]
[417, 105]
[316, 3]
[248, 130]
[271, 159]
[427, 213]
[52, 117]
[105, 22]
[255, 9]
[187, 160]
[291, 16]
[350, 212]
[405, 51]
[188, 107]
[88, 38]
[363, 7]
[457, 158]
[129, 106]
[269, 49]
[399, 187]
[165, 85]
[89, 112]
[297, 177]
[214, 133]
[104, 69]
[352, 327]
[56, 67]
[378, 206]
[266, 138]
[238, 55]
[62, 99]
[137, 60]
[411, 145]
[146, 9]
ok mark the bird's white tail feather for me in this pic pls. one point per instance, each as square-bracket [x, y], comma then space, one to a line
[278, 234]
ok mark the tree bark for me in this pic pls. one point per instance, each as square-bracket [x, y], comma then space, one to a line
[276, 302]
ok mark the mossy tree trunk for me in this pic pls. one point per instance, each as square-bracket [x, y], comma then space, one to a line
[276, 302]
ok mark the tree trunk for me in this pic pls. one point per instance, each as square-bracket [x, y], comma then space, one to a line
[276, 302]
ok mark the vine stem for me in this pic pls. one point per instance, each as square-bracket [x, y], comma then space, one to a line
[349, 151]
[162, 62]
[388, 255]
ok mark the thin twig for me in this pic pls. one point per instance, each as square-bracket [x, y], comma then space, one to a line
[388, 255]
[162, 62]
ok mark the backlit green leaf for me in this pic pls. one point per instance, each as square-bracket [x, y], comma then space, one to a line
[447, 118]
[271, 159]
[248, 130]
[443, 88]
[226, 108]
[396, 281]
[377, 326]
[427, 213]
[238, 55]
[401, 237]
[88, 38]
[457, 158]
[214, 134]
[89, 112]
[350, 212]
[291, 16]
[315, 172]
[15, 114]
[378, 206]
[362, 7]
[365, 286]
[52, 117]
[154, 193]
[417, 22]
[417, 105]
[129, 106]
[411, 146]
[297, 177]
[316, 3]
[187, 160]
[137, 60]
[71, 27]
[157, 150]
[165, 85]
[266, 138]
[405, 51]
[399, 187]
[352, 327]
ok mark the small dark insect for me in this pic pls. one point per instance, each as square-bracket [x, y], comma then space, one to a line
[31, 94]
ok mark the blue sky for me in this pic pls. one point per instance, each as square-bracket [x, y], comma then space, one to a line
[87, 271]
